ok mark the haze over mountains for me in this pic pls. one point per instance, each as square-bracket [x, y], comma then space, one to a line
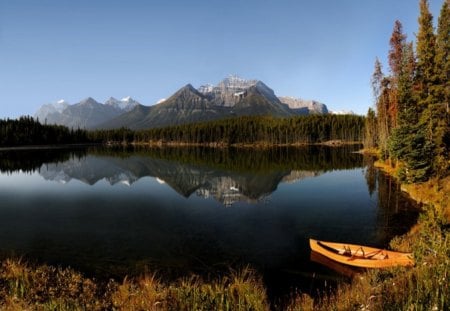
[88, 113]
[231, 97]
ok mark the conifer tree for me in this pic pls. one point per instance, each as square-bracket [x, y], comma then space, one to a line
[425, 74]
[424, 83]
[397, 43]
[441, 92]
[400, 141]
[442, 58]
[370, 130]
[381, 93]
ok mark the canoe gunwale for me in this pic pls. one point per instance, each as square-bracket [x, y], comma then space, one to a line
[368, 257]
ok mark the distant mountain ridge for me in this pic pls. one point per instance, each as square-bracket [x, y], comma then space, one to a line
[88, 113]
[304, 107]
[231, 97]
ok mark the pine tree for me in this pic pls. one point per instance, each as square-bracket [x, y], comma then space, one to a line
[441, 92]
[370, 130]
[425, 81]
[397, 42]
[380, 88]
[402, 137]
[425, 75]
[442, 57]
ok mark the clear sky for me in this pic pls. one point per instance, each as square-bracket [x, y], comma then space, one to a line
[312, 49]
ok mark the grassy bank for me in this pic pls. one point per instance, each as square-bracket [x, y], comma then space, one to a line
[27, 287]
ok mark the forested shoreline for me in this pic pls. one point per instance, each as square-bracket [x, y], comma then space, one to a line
[410, 124]
[246, 131]
[26, 131]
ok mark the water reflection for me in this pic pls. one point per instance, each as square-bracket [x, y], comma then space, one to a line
[228, 175]
[116, 212]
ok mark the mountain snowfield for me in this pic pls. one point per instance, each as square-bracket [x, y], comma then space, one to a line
[233, 96]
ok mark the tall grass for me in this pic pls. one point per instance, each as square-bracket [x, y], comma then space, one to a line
[23, 287]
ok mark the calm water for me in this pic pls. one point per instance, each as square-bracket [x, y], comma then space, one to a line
[116, 212]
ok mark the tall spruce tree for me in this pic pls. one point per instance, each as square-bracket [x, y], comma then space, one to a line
[425, 51]
[441, 92]
[442, 58]
[424, 82]
[403, 136]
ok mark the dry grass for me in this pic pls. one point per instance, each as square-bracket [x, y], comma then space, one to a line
[24, 287]
[433, 192]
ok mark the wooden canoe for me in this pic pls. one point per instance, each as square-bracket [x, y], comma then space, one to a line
[344, 270]
[361, 256]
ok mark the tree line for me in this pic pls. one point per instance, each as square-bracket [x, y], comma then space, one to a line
[247, 130]
[27, 131]
[240, 130]
[410, 124]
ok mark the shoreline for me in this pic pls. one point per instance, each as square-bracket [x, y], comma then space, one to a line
[45, 147]
[434, 192]
[256, 145]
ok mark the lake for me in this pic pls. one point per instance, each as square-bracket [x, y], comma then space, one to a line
[111, 212]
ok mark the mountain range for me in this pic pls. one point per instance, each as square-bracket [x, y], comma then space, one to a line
[88, 113]
[231, 97]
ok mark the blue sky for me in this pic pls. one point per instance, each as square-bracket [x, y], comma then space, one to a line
[321, 49]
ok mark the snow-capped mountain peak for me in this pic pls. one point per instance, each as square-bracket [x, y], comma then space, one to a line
[126, 103]
[161, 101]
[51, 108]
[228, 91]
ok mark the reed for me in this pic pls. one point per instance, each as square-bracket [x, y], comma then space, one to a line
[27, 287]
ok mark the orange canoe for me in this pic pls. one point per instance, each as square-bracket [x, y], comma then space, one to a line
[361, 256]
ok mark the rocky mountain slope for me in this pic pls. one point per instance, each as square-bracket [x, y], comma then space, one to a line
[231, 97]
[304, 107]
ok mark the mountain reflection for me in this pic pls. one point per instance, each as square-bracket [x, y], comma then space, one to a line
[49, 213]
[228, 175]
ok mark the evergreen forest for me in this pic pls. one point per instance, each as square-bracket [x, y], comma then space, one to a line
[26, 131]
[247, 130]
[410, 124]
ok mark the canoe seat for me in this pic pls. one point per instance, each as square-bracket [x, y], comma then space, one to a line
[345, 251]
